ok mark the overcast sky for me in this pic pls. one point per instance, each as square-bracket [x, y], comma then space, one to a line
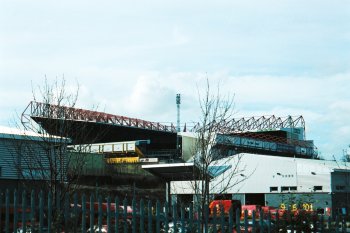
[289, 57]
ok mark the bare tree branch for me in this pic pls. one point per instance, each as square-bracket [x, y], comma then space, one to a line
[210, 156]
[42, 158]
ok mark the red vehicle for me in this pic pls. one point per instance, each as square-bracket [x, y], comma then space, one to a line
[250, 209]
[272, 211]
[269, 209]
[224, 205]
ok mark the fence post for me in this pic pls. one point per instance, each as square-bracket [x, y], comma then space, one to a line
[76, 216]
[7, 214]
[214, 220]
[134, 217]
[1, 194]
[15, 211]
[343, 223]
[116, 215]
[166, 216]
[261, 221]
[92, 215]
[157, 216]
[199, 219]
[222, 215]
[66, 212]
[246, 220]
[269, 222]
[182, 218]
[206, 218]
[321, 222]
[190, 216]
[314, 219]
[174, 217]
[230, 219]
[125, 213]
[41, 211]
[337, 223]
[24, 211]
[100, 211]
[149, 215]
[238, 220]
[32, 210]
[277, 220]
[58, 210]
[254, 221]
[49, 212]
[292, 218]
[329, 223]
[142, 215]
[109, 229]
[83, 214]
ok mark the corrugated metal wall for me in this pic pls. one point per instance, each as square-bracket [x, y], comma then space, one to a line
[30, 159]
[7, 159]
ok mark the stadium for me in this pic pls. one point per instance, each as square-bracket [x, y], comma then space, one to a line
[278, 158]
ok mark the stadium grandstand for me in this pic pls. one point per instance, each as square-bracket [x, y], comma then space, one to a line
[268, 135]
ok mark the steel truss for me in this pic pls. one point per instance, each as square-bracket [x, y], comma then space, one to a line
[43, 110]
[265, 123]
[253, 124]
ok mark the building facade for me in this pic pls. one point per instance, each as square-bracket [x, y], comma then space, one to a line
[282, 182]
[28, 158]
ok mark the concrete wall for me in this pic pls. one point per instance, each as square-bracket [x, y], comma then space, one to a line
[188, 146]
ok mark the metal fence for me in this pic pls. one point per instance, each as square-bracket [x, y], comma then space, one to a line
[44, 212]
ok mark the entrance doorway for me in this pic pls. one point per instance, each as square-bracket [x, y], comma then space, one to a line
[255, 199]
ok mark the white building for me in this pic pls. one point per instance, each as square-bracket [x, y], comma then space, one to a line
[277, 181]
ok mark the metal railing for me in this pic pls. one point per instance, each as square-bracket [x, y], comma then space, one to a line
[44, 212]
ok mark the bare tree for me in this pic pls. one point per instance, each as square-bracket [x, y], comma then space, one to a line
[43, 159]
[217, 168]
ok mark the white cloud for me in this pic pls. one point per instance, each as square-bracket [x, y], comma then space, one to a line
[131, 58]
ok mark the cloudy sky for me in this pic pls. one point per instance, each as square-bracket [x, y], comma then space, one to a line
[130, 58]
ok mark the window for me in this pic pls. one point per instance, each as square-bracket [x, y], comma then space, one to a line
[273, 189]
[0, 171]
[340, 187]
[288, 188]
[317, 188]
